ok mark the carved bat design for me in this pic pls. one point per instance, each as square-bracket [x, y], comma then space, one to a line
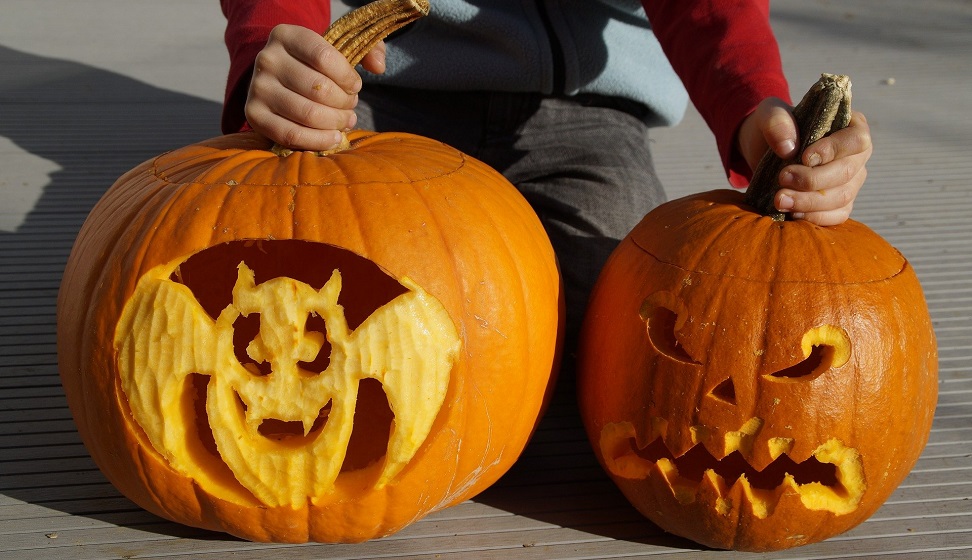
[409, 344]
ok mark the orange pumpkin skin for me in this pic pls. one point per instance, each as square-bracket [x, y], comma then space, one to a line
[415, 208]
[690, 341]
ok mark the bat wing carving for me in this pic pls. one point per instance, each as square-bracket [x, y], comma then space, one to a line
[410, 345]
[164, 335]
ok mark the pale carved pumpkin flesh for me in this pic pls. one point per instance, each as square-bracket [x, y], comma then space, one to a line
[256, 399]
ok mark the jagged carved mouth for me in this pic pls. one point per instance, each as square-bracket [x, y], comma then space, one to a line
[694, 463]
[831, 479]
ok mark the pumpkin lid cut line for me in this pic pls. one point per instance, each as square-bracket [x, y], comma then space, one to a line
[905, 266]
[225, 163]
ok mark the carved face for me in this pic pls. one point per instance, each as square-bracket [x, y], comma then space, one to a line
[730, 423]
[743, 419]
[749, 409]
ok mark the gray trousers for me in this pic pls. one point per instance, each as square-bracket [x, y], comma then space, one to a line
[583, 163]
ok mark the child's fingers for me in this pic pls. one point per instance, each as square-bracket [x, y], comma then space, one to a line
[825, 176]
[297, 122]
[288, 133]
[852, 140]
[306, 112]
[374, 61]
[778, 128]
[311, 49]
[824, 206]
[309, 83]
[291, 134]
[829, 217]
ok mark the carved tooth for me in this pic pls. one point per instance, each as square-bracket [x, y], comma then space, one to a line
[699, 433]
[659, 429]
[762, 501]
[684, 490]
[779, 445]
[713, 489]
[742, 440]
[618, 456]
[723, 506]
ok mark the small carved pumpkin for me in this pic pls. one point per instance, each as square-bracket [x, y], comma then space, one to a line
[756, 384]
[308, 347]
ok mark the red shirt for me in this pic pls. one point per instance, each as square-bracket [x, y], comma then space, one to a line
[724, 52]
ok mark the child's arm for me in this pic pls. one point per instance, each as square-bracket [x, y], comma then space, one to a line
[729, 61]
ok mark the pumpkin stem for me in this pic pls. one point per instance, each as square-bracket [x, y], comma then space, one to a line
[357, 32]
[825, 109]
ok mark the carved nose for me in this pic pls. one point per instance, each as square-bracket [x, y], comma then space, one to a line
[725, 391]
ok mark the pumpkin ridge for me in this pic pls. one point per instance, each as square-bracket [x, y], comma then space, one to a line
[506, 246]
[407, 179]
[148, 231]
[75, 272]
[220, 216]
[363, 240]
[458, 489]
[455, 275]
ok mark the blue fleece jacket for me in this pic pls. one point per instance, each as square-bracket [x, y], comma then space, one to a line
[547, 46]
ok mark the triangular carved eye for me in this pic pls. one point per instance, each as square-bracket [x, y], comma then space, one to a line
[662, 322]
[725, 391]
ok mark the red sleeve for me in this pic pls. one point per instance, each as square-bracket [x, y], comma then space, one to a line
[248, 25]
[726, 55]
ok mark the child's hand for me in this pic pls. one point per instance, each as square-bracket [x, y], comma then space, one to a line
[821, 190]
[303, 91]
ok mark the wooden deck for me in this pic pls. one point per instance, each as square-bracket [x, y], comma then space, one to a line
[89, 89]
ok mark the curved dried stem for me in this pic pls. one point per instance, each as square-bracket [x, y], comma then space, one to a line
[358, 31]
[825, 109]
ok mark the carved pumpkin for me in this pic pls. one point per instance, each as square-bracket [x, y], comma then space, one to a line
[756, 384]
[308, 347]
[298, 346]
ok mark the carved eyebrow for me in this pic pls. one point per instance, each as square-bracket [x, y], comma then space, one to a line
[823, 347]
[661, 323]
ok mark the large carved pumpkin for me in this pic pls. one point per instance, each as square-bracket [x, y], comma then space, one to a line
[308, 347]
[756, 384]
[291, 346]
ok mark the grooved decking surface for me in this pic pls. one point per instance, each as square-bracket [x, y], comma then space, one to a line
[89, 89]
